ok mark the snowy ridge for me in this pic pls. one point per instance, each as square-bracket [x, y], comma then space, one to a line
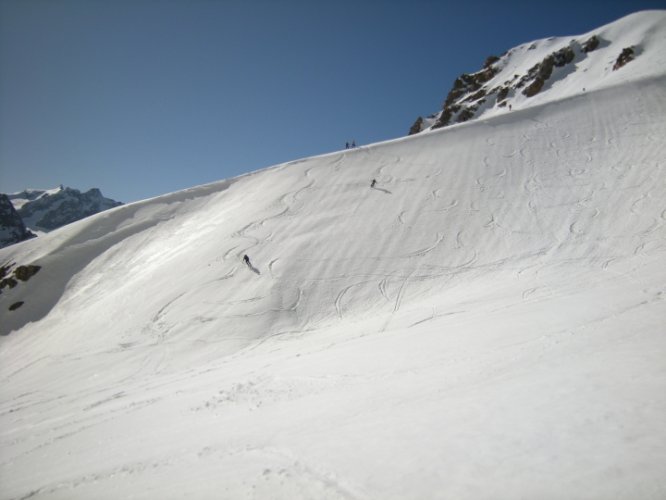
[555, 68]
[28, 195]
[487, 321]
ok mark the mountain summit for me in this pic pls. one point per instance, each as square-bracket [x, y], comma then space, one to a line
[12, 228]
[471, 312]
[43, 210]
[48, 209]
[554, 68]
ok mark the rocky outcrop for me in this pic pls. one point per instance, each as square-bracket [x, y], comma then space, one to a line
[11, 279]
[463, 99]
[417, 126]
[524, 72]
[540, 73]
[591, 44]
[24, 273]
[470, 92]
[627, 55]
[12, 228]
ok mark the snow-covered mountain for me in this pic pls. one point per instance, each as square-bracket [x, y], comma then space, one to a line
[548, 70]
[12, 228]
[44, 210]
[487, 321]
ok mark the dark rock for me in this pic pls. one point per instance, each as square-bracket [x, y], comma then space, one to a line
[475, 96]
[627, 55]
[502, 93]
[8, 282]
[591, 44]
[465, 115]
[467, 87]
[24, 273]
[16, 305]
[417, 126]
[4, 270]
[490, 60]
[12, 228]
[563, 56]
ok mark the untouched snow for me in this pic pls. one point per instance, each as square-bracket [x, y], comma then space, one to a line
[488, 322]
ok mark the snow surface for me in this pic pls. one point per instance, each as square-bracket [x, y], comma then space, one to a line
[488, 322]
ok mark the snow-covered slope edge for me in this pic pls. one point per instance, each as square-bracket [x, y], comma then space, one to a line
[487, 322]
[534, 73]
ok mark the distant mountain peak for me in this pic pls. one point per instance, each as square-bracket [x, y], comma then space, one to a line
[12, 228]
[56, 207]
[43, 210]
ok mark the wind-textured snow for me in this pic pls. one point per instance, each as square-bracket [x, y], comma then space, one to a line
[487, 322]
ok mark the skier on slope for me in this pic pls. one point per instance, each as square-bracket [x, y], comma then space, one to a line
[372, 184]
[246, 259]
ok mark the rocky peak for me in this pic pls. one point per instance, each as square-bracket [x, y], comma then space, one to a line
[42, 210]
[55, 208]
[551, 69]
[12, 228]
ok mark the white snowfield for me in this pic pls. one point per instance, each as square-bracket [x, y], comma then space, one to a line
[487, 322]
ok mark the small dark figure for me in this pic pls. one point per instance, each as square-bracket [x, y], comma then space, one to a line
[372, 184]
[353, 144]
[246, 259]
[346, 145]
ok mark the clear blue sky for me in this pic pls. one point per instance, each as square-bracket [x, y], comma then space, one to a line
[145, 97]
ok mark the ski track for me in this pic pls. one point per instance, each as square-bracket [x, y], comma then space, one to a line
[419, 253]
[342, 293]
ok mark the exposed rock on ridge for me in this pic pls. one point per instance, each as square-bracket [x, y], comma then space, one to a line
[12, 228]
[552, 69]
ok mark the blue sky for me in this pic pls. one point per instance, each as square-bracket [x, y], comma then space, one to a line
[145, 97]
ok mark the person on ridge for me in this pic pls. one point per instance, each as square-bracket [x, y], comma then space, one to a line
[246, 259]
[372, 184]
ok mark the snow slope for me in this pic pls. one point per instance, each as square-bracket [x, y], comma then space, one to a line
[488, 322]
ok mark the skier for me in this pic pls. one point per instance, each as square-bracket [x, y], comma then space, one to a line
[347, 145]
[246, 259]
[372, 184]
[353, 144]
